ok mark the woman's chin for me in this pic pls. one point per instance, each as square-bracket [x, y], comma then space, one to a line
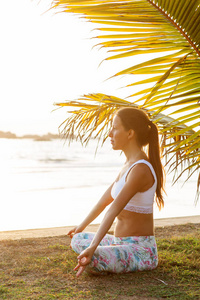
[114, 147]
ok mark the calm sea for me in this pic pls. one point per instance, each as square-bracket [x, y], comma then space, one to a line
[50, 184]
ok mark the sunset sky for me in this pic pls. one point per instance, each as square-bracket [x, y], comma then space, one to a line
[46, 58]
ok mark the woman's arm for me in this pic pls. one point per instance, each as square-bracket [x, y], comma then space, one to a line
[137, 179]
[105, 200]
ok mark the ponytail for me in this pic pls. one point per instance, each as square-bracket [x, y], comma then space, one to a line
[154, 158]
[147, 134]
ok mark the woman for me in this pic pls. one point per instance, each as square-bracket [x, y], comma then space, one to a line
[133, 245]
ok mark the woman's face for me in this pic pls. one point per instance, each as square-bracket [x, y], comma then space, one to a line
[118, 134]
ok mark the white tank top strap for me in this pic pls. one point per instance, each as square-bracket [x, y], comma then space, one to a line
[142, 161]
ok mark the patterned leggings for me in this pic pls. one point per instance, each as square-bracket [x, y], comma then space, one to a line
[118, 254]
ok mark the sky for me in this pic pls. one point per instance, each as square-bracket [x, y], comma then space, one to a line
[47, 57]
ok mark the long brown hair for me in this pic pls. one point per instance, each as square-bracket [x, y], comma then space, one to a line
[146, 134]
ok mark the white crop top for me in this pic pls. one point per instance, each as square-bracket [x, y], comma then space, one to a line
[140, 202]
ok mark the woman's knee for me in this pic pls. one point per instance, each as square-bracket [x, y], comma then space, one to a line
[81, 241]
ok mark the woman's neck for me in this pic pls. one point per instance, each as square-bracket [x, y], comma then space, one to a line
[134, 153]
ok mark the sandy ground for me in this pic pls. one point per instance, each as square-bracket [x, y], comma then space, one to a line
[57, 231]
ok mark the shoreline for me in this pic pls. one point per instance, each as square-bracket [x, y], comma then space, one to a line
[58, 231]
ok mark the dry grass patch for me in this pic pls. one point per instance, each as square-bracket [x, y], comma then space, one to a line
[42, 268]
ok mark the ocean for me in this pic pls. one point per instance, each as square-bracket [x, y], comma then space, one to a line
[50, 184]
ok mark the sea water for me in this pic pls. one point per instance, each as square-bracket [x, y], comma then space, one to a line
[50, 184]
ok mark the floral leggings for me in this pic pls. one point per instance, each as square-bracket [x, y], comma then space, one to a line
[118, 254]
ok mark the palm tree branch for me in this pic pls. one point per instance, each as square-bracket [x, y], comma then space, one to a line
[147, 26]
[177, 27]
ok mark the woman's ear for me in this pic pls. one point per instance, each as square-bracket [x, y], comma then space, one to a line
[131, 133]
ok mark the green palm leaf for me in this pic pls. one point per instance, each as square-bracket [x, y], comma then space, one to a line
[170, 28]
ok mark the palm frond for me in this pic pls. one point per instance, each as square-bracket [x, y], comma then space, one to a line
[91, 116]
[170, 28]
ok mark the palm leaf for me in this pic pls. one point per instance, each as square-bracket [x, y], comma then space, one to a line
[170, 28]
[91, 116]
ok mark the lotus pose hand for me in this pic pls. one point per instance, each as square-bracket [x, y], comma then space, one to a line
[74, 231]
[83, 260]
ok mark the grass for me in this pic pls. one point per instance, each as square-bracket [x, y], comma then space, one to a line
[42, 268]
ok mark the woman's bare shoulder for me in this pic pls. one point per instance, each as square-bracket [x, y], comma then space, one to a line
[142, 174]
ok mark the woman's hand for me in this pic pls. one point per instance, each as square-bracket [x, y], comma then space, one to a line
[73, 231]
[83, 260]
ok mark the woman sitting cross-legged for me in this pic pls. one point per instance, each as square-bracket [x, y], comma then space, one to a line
[131, 197]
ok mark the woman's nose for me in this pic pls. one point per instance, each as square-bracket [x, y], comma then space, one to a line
[110, 133]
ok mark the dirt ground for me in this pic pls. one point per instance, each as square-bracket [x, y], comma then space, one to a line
[59, 231]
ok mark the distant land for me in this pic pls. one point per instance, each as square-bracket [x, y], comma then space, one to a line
[45, 137]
